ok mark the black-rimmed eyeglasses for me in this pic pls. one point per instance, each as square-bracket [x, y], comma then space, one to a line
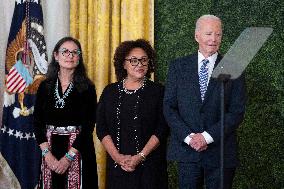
[135, 61]
[66, 52]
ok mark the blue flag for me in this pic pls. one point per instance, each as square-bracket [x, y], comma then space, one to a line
[25, 67]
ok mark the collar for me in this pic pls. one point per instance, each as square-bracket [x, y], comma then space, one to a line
[212, 58]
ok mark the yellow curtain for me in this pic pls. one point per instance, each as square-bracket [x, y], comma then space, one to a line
[100, 25]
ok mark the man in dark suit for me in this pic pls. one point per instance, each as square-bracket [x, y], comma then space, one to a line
[192, 110]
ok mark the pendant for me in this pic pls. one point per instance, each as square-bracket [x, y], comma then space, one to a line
[60, 103]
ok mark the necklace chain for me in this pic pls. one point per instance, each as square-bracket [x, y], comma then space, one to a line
[122, 89]
[60, 102]
[132, 91]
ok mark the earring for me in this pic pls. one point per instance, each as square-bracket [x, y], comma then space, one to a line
[78, 62]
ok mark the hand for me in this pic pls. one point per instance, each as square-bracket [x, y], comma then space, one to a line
[63, 165]
[51, 161]
[135, 160]
[198, 142]
[122, 159]
[127, 168]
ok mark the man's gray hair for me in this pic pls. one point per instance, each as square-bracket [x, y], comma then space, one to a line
[205, 17]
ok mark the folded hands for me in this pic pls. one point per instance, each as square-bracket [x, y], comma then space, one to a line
[128, 162]
[198, 142]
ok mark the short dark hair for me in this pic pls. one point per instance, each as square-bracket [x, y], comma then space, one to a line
[80, 79]
[124, 49]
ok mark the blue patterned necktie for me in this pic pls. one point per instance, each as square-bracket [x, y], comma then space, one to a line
[203, 77]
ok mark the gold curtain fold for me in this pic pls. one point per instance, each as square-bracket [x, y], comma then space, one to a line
[100, 25]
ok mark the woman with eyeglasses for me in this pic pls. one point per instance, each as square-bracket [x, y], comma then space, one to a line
[130, 121]
[64, 120]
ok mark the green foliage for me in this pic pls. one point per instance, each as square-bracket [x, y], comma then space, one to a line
[261, 136]
[174, 30]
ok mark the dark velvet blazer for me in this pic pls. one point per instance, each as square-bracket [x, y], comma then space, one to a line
[186, 113]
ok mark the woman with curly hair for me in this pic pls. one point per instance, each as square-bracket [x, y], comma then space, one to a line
[130, 121]
[64, 120]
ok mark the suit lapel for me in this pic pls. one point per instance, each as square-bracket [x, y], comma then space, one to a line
[195, 79]
[189, 70]
[212, 83]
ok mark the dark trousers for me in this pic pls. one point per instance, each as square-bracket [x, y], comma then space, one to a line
[195, 176]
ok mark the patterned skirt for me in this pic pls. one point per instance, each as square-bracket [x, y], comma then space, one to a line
[60, 139]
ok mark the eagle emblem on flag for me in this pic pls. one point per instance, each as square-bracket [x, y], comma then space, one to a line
[26, 62]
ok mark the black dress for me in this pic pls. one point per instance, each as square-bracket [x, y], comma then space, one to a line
[79, 110]
[146, 105]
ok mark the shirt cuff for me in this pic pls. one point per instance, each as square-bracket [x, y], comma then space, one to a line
[207, 137]
[188, 138]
